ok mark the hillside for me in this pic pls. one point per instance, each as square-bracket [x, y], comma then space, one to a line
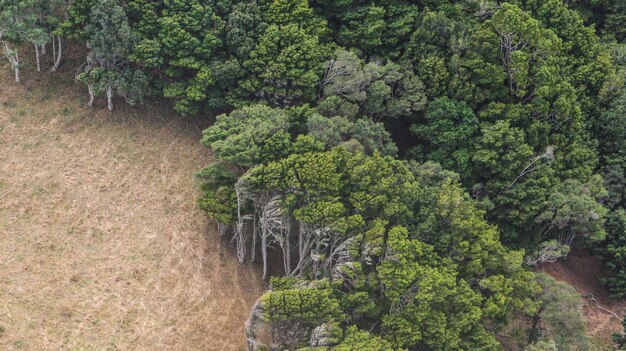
[102, 246]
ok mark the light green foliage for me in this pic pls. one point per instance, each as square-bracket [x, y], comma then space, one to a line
[457, 230]
[542, 345]
[573, 211]
[560, 315]
[360, 340]
[294, 311]
[353, 88]
[422, 291]
[238, 137]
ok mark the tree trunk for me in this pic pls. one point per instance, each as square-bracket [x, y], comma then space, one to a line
[37, 57]
[58, 52]
[91, 94]
[43, 49]
[264, 251]
[16, 65]
[110, 98]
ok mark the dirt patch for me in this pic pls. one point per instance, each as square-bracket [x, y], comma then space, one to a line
[102, 246]
[583, 271]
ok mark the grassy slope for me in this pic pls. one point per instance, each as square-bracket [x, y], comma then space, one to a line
[101, 244]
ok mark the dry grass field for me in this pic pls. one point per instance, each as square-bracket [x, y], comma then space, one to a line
[102, 246]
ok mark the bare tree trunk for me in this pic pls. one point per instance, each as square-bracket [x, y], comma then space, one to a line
[91, 94]
[43, 49]
[287, 254]
[110, 98]
[17, 68]
[264, 251]
[37, 56]
[13, 57]
[54, 49]
[58, 52]
[254, 235]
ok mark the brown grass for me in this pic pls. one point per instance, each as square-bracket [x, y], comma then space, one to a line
[102, 246]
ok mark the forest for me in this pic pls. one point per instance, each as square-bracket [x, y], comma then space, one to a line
[398, 169]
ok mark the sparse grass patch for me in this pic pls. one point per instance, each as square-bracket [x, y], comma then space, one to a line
[103, 247]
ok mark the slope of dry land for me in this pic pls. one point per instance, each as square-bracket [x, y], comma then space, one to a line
[602, 314]
[102, 246]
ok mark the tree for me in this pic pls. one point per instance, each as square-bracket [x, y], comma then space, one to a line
[610, 130]
[613, 252]
[450, 129]
[180, 43]
[287, 61]
[360, 340]
[548, 251]
[363, 134]
[364, 28]
[353, 88]
[18, 24]
[238, 138]
[620, 338]
[560, 315]
[110, 41]
[513, 178]
[430, 308]
[573, 211]
[542, 345]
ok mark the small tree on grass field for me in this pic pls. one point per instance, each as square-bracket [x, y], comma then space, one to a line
[17, 25]
[110, 41]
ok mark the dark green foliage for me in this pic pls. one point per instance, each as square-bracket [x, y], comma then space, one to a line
[614, 254]
[383, 241]
[449, 131]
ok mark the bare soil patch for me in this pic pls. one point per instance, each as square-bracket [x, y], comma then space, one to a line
[102, 246]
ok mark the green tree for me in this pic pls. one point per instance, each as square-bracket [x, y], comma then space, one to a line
[512, 178]
[560, 315]
[110, 40]
[287, 61]
[614, 252]
[360, 340]
[573, 211]
[450, 129]
[19, 24]
[238, 137]
[430, 308]
[353, 88]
